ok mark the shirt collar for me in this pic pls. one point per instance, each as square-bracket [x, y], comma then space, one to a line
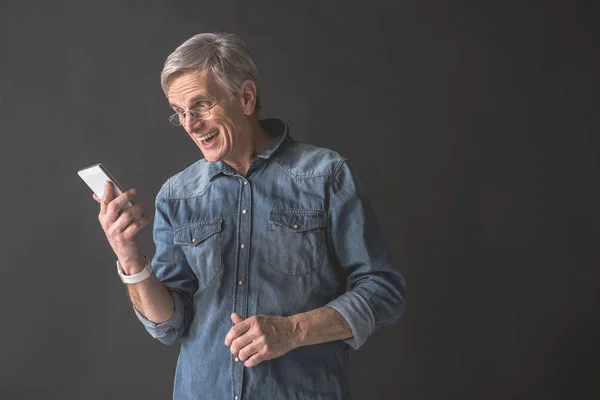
[274, 127]
[281, 131]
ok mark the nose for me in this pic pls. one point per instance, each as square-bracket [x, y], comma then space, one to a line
[191, 123]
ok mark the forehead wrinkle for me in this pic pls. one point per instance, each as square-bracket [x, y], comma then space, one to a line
[193, 84]
[196, 99]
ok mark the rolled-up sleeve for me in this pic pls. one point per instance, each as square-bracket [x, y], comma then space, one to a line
[376, 296]
[171, 267]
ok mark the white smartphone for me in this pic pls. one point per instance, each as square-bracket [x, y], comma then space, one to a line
[95, 176]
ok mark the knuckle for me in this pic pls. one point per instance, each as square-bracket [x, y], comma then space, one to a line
[132, 229]
[128, 213]
[130, 232]
[113, 234]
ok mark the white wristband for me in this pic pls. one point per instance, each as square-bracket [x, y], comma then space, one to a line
[139, 277]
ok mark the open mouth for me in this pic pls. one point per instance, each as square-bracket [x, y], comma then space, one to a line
[209, 137]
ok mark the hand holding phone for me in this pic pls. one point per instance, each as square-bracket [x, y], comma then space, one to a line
[120, 227]
[95, 177]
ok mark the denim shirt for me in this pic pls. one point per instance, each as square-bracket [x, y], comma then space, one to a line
[284, 239]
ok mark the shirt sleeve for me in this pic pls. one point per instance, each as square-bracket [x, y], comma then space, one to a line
[376, 296]
[171, 267]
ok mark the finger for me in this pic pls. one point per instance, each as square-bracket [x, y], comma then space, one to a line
[116, 205]
[109, 192]
[240, 343]
[236, 318]
[237, 331]
[249, 350]
[103, 208]
[121, 200]
[136, 226]
[254, 360]
[126, 217]
[106, 197]
[96, 198]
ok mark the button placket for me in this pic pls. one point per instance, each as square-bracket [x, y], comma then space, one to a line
[241, 290]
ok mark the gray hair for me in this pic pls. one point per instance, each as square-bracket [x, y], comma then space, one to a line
[222, 56]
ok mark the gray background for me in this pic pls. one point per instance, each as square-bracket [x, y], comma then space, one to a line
[473, 125]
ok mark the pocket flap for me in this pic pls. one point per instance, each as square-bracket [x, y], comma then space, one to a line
[192, 234]
[299, 220]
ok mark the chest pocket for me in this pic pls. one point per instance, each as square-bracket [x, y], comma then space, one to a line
[296, 241]
[201, 244]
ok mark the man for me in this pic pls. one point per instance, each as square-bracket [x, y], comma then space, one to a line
[254, 245]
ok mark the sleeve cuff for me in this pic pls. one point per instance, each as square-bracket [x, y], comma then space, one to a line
[357, 312]
[166, 332]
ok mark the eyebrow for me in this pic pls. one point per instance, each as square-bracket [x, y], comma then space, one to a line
[196, 99]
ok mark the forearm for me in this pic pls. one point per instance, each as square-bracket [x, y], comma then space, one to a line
[319, 326]
[150, 297]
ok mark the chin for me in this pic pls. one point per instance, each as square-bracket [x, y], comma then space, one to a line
[211, 157]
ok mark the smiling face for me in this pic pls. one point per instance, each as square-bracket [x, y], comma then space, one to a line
[225, 133]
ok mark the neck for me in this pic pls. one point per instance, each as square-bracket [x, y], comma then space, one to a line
[257, 141]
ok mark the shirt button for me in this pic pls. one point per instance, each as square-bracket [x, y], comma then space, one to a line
[240, 282]
[193, 240]
[235, 398]
[244, 211]
[296, 226]
[243, 246]
[245, 183]
[237, 359]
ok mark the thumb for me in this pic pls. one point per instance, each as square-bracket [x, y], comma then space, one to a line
[236, 318]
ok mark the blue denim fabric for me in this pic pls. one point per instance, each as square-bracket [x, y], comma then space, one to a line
[307, 230]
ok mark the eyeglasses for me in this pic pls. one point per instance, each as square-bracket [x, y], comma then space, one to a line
[201, 112]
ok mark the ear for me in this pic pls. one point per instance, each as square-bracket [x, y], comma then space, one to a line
[248, 97]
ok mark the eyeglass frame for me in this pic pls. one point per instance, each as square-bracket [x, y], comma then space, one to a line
[191, 112]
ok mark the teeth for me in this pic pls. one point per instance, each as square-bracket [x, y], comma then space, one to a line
[209, 135]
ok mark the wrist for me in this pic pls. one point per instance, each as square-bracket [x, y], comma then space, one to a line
[138, 277]
[133, 266]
